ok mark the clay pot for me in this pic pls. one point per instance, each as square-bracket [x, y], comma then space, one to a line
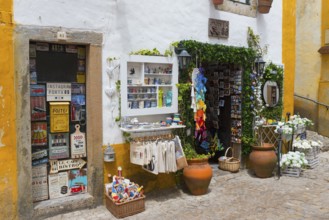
[263, 160]
[217, 2]
[264, 6]
[197, 176]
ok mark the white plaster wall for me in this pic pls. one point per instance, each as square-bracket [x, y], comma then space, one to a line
[130, 25]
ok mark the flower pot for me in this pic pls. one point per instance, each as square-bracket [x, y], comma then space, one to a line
[264, 6]
[263, 160]
[217, 2]
[197, 176]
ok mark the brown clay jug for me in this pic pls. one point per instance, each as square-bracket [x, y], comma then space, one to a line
[197, 176]
[263, 160]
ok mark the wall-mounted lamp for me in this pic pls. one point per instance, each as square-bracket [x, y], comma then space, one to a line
[109, 154]
[184, 58]
[260, 65]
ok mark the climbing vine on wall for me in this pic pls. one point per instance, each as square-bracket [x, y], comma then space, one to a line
[212, 53]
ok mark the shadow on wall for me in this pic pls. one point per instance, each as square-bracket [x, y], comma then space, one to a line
[134, 172]
[307, 109]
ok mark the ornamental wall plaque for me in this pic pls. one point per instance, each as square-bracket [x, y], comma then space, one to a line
[218, 28]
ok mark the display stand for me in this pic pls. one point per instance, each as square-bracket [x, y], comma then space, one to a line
[148, 85]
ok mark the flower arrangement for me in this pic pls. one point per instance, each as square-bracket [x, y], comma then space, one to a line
[309, 147]
[294, 160]
[296, 121]
[286, 128]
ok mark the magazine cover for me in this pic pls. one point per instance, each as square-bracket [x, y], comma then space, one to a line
[77, 181]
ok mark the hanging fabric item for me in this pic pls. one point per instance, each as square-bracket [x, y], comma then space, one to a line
[179, 154]
[152, 164]
[193, 100]
[161, 156]
[137, 153]
[200, 117]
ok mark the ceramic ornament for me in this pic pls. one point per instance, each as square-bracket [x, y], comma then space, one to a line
[78, 143]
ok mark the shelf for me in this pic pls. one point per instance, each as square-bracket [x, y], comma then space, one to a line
[163, 75]
[139, 130]
[157, 74]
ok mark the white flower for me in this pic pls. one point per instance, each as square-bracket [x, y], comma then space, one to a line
[293, 159]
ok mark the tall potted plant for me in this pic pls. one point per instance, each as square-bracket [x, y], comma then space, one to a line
[264, 6]
[197, 175]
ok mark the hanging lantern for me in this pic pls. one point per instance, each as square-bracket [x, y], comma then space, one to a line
[184, 59]
[109, 154]
[260, 65]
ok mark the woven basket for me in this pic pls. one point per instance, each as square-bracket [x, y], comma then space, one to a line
[230, 163]
[125, 209]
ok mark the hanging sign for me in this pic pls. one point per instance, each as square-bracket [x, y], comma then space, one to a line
[78, 143]
[58, 92]
[59, 117]
[59, 165]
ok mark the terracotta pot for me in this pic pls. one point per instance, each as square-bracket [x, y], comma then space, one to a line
[217, 2]
[197, 176]
[264, 6]
[263, 160]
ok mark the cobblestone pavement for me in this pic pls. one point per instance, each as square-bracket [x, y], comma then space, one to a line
[237, 196]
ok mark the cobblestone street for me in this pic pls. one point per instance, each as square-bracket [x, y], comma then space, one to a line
[237, 196]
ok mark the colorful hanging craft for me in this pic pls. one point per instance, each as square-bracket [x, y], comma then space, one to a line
[199, 82]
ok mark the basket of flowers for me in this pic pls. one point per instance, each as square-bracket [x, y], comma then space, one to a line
[229, 163]
[311, 150]
[292, 163]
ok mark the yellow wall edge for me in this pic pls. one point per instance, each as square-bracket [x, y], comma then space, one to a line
[8, 154]
[288, 53]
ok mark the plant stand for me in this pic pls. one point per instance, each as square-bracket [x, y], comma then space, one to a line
[292, 171]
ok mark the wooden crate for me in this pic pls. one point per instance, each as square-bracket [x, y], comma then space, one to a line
[312, 163]
[291, 171]
[125, 209]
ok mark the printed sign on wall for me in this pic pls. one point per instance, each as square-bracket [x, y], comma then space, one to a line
[39, 183]
[58, 185]
[58, 91]
[60, 165]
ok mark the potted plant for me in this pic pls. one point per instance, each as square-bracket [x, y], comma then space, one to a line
[263, 157]
[264, 6]
[217, 2]
[197, 175]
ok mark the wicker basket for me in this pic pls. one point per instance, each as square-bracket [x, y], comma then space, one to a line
[125, 209]
[230, 163]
